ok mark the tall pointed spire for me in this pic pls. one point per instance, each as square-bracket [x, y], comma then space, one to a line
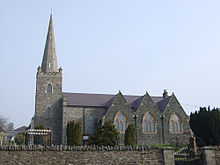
[49, 62]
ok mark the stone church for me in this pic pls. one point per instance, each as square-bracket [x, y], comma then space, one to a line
[158, 119]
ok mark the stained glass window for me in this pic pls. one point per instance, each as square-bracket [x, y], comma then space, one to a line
[91, 124]
[145, 126]
[152, 125]
[148, 123]
[175, 124]
[121, 127]
[179, 128]
[120, 122]
[172, 126]
[117, 124]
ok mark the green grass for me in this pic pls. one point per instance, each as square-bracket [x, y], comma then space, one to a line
[187, 159]
[168, 145]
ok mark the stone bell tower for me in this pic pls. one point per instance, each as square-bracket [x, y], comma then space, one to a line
[48, 104]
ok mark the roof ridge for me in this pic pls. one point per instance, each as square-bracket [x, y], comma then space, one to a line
[88, 93]
[102, 100]
[108, 94]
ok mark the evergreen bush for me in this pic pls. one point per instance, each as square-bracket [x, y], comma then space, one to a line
[78, 134]
[74, 133]
[130, 135]
[205, 125]
[107, 135]
[20, 138]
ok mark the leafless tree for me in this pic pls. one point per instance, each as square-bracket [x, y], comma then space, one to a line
[10, 127]
[3, 123]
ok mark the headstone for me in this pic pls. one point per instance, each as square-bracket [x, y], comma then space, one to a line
[192, 145]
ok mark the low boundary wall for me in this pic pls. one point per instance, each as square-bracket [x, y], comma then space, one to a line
[97, 155]
[85, 155]
[217, 155]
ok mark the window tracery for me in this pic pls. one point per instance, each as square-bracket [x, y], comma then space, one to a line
[175, 124]
[120, 122]
[148, 123]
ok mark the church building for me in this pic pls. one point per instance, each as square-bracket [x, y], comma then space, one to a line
[157, 119]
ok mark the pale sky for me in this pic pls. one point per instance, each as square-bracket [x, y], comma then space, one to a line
[108, 45]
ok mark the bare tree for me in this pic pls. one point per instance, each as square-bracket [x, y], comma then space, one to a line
[10, 127]
[3, 123]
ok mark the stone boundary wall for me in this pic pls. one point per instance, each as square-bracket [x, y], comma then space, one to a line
[217, 155]
[12, 154]
[75, 148]
[210, 155]
[81, 155]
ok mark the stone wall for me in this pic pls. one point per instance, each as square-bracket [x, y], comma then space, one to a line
[210, 155]
[62, 113]
[217, 154]
[175, 107]
[148, 106]
[44, 100]
[98, 155]
[120, 104]
[80, 114]
[81, 155]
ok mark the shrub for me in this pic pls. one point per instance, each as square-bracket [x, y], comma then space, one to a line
[20, 138]
[74, 133]
[130, 135]
[107, 135]
[78, 133]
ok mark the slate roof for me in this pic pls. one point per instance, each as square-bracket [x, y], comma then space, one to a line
[105, 100]
[162, 104]
[20, 128]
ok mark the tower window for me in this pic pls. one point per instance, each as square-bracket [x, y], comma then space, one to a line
[49, 113]
[49, 88]
[49, 64]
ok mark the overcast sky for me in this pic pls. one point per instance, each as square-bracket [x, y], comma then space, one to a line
[108, 45]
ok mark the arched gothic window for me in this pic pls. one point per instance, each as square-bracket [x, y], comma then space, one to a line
[148, 123]
[120, 122]
[91, 124]
[49, 88]
[175, 124]
[49, 113]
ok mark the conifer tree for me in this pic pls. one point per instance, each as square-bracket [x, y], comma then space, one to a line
[20, 138]
[70, 133]
[78, 134]
[74, 133]
[130, 135]
[107, 135]
[206, 126]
